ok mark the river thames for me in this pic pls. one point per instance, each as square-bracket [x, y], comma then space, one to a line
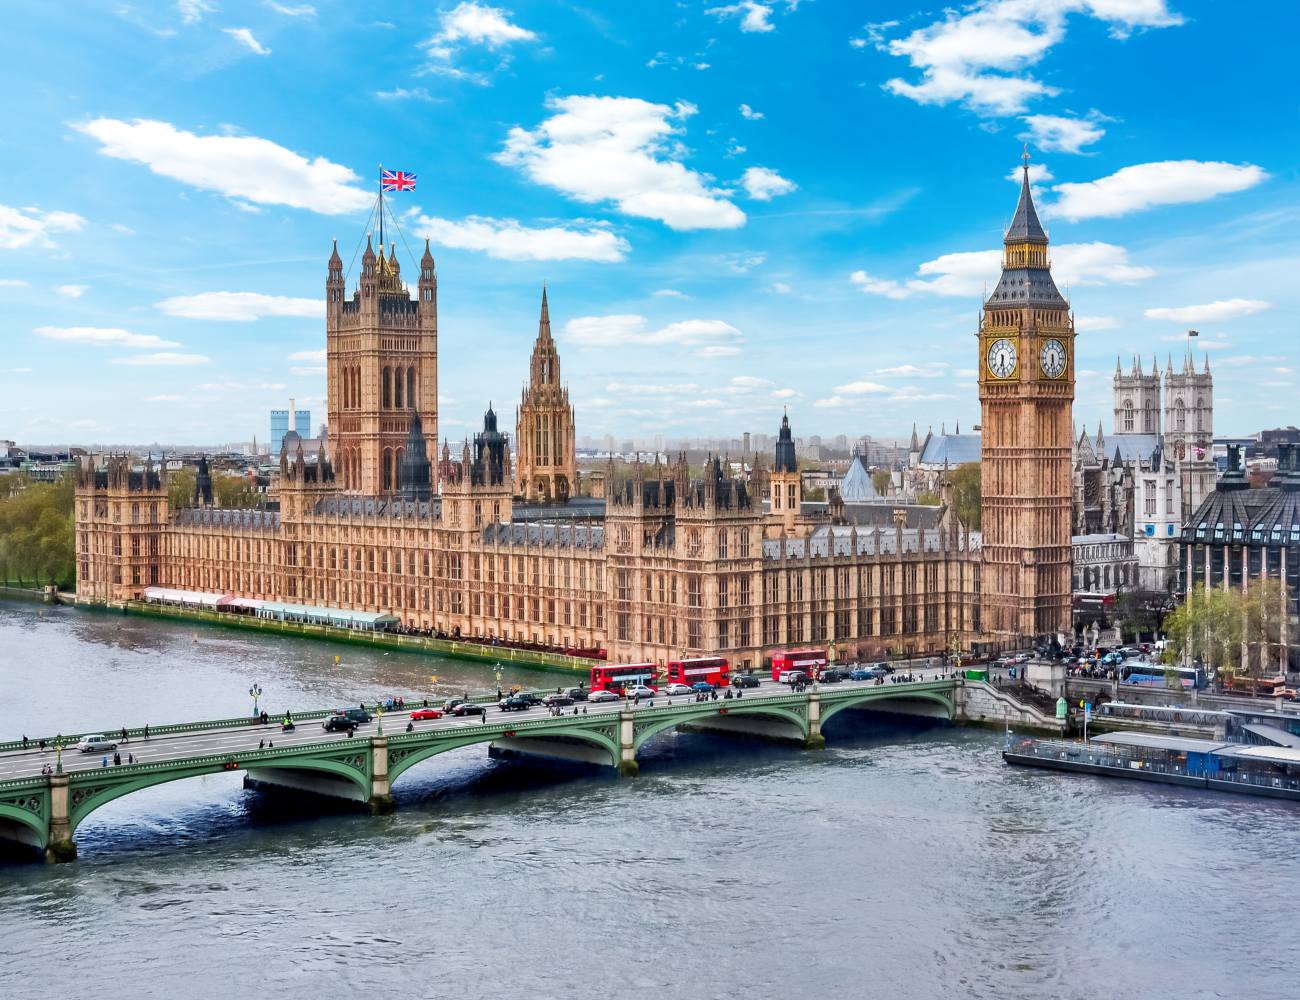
[901, 862]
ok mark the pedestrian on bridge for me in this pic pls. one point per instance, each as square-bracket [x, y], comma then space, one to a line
[117, 759]
[104, 761]
[146, 732]
[124, 739]
[24, 741]
[261, 744]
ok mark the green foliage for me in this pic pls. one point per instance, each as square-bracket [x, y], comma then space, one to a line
[881, 480]
[36, 535]
[816, 494]
[235, 491]
[1212, 625]
[180, 488]
[1140, 611]
[966, 493]
[929, 498]
[1172, 681]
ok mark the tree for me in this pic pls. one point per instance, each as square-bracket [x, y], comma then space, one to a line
[881, 479]
[1172, 680]
[1138, 611]
[180, 488]
[36, 534]
[965, 481]
[235, 491]
[1236, 633]
[929, 498]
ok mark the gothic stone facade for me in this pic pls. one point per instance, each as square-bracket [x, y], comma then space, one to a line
[674, 564]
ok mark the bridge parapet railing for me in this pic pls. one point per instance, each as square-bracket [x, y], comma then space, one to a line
[173, 729]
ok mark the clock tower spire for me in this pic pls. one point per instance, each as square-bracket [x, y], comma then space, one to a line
[1026, 387]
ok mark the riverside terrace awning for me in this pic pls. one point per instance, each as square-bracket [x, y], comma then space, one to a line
[194, 598]
[1157, 741]
[340, 617]
[1282, 756]
[1272, 734]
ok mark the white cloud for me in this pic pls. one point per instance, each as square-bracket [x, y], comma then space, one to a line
[239, 307]
[14, 283]
[969, 272]
[1146, 185]
[164, 358]
[245, 38]
[763, 184]
[14, 371]
[741, 384]
[30, 227]
[785, 394]
[317, 356]
[506, 239]
[747, 112]
[307, 370]
[742, 262]
[830, 403]
[755, 16]
[72, 291]
[1210, 312]
[1038, 174]
[404, 94]
[96, 336]
[879, 286]
[908, 395]
[670, 293]
[1054, 133]
[475, 24]
[980, 55]
[629, 329]
[717, 351]
[1087, 324]
[165, 397]
[931, 369]
[192, 11]
[860, 388]
[298, 10]
[781, 288]
[246, 167]
[624, 150]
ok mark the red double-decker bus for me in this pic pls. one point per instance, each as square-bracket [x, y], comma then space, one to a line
[714, 670]
[810, 661]
[624, 676]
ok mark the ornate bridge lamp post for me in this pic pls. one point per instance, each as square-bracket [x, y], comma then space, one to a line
[255, 692]
[58, 758]
[498, 677]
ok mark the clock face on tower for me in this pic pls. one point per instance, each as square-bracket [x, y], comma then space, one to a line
[1002, 358]
[1052, 359]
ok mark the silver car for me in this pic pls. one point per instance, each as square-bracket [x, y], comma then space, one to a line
[96, 743]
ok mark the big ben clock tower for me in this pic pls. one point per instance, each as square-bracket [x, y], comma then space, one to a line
[1026, 366]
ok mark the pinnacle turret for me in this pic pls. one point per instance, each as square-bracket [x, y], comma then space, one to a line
[1025, 227]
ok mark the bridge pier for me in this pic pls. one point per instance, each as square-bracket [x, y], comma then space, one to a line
[381, 789]
[59, 846]
[814, 740]
[627, 765]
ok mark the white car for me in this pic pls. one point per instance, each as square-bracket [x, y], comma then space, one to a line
[596, 697]
[96, 743]
[679, 689]
[639, 691]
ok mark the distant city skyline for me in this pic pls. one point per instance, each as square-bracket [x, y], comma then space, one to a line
[720, 243]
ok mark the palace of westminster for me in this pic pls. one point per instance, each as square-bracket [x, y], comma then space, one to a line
[486, 544]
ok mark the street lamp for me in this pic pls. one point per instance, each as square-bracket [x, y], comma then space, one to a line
[498, 677]
[379, 715]
[255, 692]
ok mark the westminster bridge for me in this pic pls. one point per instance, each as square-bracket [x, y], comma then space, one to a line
[46, 794]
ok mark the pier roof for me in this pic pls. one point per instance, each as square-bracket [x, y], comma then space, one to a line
[1158, 741]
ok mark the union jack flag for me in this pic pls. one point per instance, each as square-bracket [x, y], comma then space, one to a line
[398, 180]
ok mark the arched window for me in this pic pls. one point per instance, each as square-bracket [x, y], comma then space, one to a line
[1128, 415]
[399, 388]
[410, 388]
[388, 388]
[386, 483]
[1180, 415]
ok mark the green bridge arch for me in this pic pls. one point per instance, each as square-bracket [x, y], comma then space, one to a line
[86, 796]
[841, 702]
[710, 710]
[27, 813]
[403, 756]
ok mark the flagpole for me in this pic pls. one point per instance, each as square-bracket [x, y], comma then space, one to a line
[381, 205]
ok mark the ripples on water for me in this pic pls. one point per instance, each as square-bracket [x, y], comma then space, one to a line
[900, 863]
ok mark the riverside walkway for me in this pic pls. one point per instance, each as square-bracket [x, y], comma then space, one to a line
[44, 810]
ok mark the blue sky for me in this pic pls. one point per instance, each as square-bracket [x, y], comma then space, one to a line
[736, 207]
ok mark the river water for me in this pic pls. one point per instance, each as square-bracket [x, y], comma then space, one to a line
[902, 862]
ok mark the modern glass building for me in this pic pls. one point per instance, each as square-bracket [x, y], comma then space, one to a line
[280, 426]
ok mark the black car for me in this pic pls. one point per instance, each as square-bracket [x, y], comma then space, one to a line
[832, 675]
[745, 681]
[554, 700]
[357, 715]
[467, 708]
[577, 694]
[515, 704]
[338, 723]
